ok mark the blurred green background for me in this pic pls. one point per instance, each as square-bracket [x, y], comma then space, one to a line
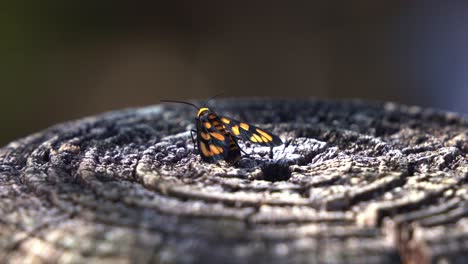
[62, 60]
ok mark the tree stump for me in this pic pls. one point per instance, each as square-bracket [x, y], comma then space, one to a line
[354, 182]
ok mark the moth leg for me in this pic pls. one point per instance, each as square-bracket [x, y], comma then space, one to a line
[247, 154]
[193, 139]
[237, 144]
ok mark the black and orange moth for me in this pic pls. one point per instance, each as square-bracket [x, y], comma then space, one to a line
[217, 135]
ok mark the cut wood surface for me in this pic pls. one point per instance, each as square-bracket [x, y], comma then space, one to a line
[354, 182]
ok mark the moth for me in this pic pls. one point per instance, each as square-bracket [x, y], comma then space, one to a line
[216, 136]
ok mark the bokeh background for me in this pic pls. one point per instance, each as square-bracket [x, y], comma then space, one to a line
[62, 60]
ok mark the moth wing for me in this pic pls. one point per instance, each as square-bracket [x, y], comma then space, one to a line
[215, 143]
[250, 132]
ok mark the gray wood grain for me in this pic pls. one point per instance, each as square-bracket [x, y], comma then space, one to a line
[354, 182]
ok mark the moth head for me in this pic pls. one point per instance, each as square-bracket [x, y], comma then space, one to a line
[202, 110]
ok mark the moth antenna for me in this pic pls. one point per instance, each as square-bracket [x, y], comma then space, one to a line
[180, 102]
[211, 98]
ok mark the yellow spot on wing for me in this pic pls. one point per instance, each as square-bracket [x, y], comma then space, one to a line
[203, 109]
[244, 126]
[253, 139]
[207, 125]
[205, 150]
[225, 120]
[218, 136]
[205, 136]
[257, 137]
[235, 130]
[215, 149]
[265, 134]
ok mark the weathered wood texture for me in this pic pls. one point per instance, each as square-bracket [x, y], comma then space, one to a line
[354, 183]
